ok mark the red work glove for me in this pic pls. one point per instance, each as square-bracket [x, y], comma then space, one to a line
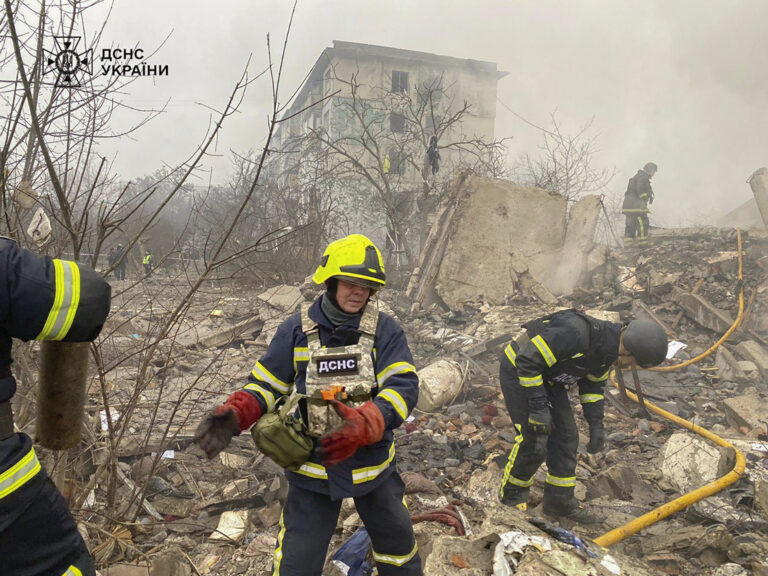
[362, 426]
[216, 430]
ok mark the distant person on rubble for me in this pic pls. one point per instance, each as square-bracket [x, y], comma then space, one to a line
[433, 155]
[147, 262]
[112, 259]
[637, 198]
[349, 369]
[121, 260]
[557, 352]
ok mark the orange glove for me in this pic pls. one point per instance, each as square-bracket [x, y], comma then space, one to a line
[362, 426]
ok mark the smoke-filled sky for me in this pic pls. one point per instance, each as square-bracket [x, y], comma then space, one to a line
[680, 83]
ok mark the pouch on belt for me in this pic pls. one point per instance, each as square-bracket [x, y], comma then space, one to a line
[282, 436]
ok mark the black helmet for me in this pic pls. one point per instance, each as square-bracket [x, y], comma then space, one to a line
[650, 167]
[647, 342]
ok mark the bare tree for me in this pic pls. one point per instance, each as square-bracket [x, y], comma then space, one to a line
[372, 154]
[565, 164]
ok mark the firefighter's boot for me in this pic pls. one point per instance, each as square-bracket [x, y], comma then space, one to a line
[515, 496]
[562, 504]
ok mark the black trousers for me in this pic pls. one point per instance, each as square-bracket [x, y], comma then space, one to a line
[43, 540]
[636, 226]
[309, 520]
[558, 448]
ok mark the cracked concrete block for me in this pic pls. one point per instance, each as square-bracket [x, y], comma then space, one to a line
[690, 462]
[439, 383]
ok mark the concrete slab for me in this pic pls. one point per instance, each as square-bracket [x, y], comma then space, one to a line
[748, 410]
[283, 297]
[751, 350]
[698, 309]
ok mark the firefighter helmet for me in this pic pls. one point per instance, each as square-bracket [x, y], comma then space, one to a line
[647, 342]
[354, 259]
[650, 167]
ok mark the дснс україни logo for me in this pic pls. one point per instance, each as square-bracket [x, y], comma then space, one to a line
[67, 62]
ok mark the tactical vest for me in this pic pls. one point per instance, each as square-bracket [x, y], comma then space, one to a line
[345, 373]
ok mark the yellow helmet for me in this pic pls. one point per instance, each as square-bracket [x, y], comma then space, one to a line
[354, 259]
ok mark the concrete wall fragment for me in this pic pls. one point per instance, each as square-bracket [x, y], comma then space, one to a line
[494, 222]
[759, 184]
[579, 241]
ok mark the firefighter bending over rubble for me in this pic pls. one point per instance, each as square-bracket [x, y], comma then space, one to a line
[40, 299]
[559, 351]
[350, 371]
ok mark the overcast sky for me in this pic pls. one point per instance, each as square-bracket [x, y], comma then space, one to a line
[683, 84]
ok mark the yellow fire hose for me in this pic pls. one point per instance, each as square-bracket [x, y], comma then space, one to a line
[665, 510]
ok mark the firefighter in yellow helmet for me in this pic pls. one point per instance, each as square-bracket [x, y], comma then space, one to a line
[350, 402]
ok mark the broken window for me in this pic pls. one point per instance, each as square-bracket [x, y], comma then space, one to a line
[396, 122]
[399, 81]
[328, 83]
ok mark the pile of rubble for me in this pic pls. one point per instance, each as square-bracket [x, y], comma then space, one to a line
[194, 516]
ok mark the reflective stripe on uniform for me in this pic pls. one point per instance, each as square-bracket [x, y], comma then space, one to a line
[508, 478]
[278, 558]
[73, 571]
[360, 475]
[562, 482]
[511, 354]
[269, 398]
[603, 378]
[300, 354]
[530, 381]
[394, 398]
[65, 301]
[395, 560]
[589, 398]
[313, 471]
[392, 369]
[19, 474]
[640, 227]
[577, 355]
[544, 350]
[261, 373]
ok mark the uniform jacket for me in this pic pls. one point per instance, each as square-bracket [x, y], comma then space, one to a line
[40, 299]
[283, 369]
[568, 348]
[639, 193]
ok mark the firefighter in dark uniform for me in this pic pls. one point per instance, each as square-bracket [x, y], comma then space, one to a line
[557, 352]
[354, 451]
[637, 198]
[40, 299]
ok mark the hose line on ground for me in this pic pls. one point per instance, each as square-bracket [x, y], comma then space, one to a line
[665, 510]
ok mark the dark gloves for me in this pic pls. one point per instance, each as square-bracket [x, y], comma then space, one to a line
[362, 426]
[539, 416]
[596, 438]
[216, 430]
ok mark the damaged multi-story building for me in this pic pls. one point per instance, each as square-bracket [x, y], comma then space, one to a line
[356, 136]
